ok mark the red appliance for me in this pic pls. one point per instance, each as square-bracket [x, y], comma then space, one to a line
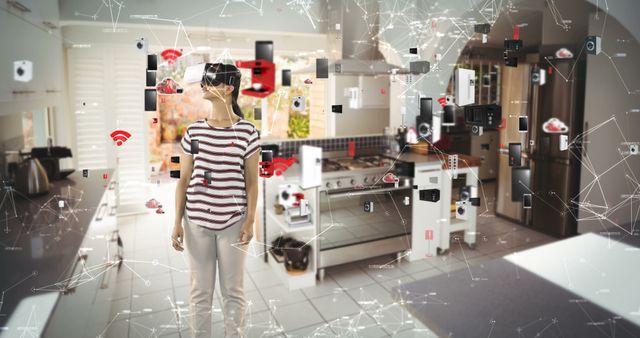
[263, 73]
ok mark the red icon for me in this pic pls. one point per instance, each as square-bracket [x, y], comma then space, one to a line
[352, 148]
[266, 169]
[155, 120]
[382, 91]
[105, 176]
[442, 101]
[428, 235]
[278, 166]
[171, 55]
[120, 137]
[263, 78]
[554, 126]
[308, 81]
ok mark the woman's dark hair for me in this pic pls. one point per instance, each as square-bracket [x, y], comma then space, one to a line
[217, 73]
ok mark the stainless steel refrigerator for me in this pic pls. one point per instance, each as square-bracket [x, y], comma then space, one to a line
[556, 173]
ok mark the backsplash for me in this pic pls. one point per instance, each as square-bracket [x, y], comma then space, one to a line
[289, 148]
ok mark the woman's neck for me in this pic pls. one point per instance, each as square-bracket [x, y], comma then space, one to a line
[221, 111]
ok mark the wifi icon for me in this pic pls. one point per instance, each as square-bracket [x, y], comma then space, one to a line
[120, 137]
[171, 55]
[442, 101]
[281, 164]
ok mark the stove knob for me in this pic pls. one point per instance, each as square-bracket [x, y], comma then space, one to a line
[374, 179]
[366, 179]
[338, 184]
[328, 185]
[353, 182]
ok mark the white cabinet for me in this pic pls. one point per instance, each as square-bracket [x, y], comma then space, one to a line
[25, 37]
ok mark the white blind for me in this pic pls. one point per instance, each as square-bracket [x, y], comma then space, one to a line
[111, 84]
[128, 108]
[87, 82]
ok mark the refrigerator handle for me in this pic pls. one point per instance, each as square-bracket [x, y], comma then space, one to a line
[584, 138]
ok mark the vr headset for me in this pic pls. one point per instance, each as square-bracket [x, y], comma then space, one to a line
[211, 74]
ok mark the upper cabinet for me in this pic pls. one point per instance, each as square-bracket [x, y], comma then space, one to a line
[30, 30]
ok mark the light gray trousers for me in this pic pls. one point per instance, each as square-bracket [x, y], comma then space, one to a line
[204, 249]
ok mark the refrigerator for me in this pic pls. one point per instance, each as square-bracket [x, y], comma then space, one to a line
[556, 173]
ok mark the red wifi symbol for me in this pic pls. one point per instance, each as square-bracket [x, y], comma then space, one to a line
[120, 137]
[442, 101]
[280, 164]
[171, 55]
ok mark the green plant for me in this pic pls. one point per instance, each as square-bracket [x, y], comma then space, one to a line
[298, 126]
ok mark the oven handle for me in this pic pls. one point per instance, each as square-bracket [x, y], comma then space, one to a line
[366, 192]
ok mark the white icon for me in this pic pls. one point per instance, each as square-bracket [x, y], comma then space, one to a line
[22, 70]
[564, 142]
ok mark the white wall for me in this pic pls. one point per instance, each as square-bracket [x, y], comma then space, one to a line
[23, 37]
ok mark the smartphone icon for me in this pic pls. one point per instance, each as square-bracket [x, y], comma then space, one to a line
[286, 77]
[526, 201]
[515, 152]
[266, 163]
[195, 146]
[523, 124]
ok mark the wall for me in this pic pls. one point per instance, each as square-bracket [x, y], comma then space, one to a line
[356, 121]
[283, 16]
[25, 38]
[607, 98]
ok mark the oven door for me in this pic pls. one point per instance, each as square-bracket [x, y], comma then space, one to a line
[344, 221]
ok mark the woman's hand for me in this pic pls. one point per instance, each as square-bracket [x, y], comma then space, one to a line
[246, 232]
[177, 237]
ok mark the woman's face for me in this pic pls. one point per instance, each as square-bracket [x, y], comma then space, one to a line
[221, 92]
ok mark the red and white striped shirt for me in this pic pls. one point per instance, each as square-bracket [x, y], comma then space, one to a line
[222, 201]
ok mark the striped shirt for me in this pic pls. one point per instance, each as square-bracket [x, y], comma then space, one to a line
[221, 201]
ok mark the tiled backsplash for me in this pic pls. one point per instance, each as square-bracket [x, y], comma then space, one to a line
[289, 148]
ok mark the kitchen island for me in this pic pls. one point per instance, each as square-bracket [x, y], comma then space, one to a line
[356, 213]
[49, 245]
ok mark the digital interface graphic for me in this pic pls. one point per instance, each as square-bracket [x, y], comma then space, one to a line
[310, 168]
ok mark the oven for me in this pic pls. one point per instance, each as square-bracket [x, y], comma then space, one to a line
[363, 221]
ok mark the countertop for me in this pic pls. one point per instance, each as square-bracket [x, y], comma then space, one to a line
[578, 287]
[40, 239]
[419, 159]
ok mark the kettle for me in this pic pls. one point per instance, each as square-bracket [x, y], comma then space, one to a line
[31, 178]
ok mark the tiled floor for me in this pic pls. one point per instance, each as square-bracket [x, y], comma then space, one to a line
[352, 301]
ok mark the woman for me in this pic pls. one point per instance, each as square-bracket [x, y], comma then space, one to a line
[218, 190]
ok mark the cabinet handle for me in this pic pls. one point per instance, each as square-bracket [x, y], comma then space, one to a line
[101, 211]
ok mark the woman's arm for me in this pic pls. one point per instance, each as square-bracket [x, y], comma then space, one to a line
[251, 184]
[186, 168]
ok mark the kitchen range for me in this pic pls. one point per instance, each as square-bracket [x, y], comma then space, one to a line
[365, 209]
[362, 206]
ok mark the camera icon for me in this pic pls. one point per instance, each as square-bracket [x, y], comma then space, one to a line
[298, 103]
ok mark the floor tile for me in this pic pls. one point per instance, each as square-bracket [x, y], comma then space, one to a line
[280, 295]
[151, 302]
[257, 304]
[371, 296]
[262, 324]
[335, 306]
[322, 288]
[360, 325]
[390, 284]
[352, 278]
[153, 324]
[265, 278]
[414, 266]
[426, 274]
[153, 283]
[322, 330]
[296, 316]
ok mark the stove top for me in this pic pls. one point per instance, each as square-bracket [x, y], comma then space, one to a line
[349, 163]
[354, 173]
